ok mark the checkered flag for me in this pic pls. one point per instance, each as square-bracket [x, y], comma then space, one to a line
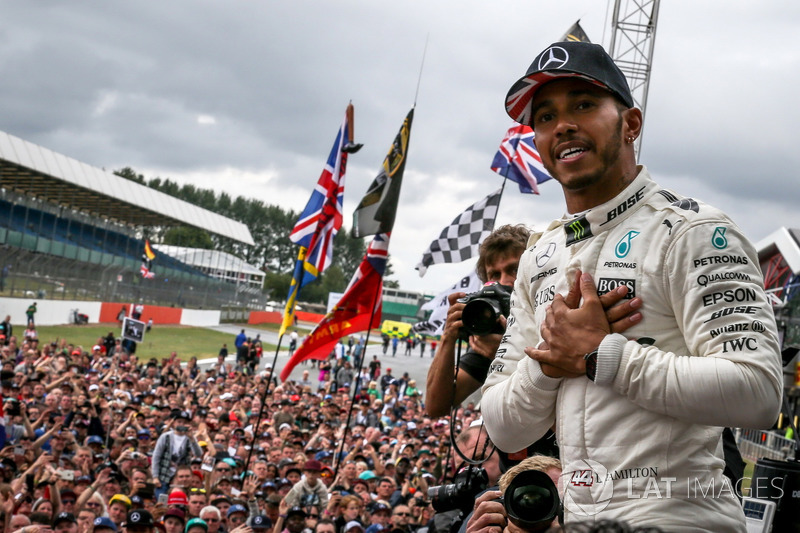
[460, 240]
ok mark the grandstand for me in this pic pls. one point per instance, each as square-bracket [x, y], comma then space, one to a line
[72, 231]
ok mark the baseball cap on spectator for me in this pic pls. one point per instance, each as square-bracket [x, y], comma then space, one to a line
[177, 513]
[260, 521]
[96, 347]
[283, 482]
[83, 479]
[220, 499]
[326, 472]
[360, 481]
[64, 517]
[94, 439]
[312, 465]
[411, 426]
[136, 501]
[285, 425]
[182, 415]
[196, 522]
[237, 508]
[269, 485]
[366, 475]
[296, 510]
[379, 506]
[93, 387]
[120, 498]
[230, 462]
[353, 525]
[226, 396]
[177, 497]
[68, 494]
[139, 518]
[102, 522]
[286, 461]
[324, 454]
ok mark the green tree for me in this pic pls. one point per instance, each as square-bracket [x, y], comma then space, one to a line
[189, 237]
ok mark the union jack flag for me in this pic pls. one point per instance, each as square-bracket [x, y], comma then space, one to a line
[518, 160]
[359, 308]
[322, 217]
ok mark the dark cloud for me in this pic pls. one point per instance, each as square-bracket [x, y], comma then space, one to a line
[247, 97]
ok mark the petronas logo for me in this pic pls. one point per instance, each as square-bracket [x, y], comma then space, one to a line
[577, 230]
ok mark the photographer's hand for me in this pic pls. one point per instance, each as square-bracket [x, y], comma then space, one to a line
[488, 514]
[487, 345]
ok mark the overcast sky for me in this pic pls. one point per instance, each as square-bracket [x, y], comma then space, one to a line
[247, 97]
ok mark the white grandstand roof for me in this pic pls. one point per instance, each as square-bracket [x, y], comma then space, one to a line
[209, 259]
[37, 171]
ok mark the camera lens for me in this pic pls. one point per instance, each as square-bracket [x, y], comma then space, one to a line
[480, 316]
[531, 501]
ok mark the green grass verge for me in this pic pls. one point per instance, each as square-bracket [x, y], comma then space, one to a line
[159, 342]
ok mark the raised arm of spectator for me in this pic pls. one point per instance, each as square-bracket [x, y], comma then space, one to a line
[57, 383]
[46, 435]
[102, 479]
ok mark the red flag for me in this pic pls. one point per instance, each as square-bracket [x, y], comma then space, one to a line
[361, 300]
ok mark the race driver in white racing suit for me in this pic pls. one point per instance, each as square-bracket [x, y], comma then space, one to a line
[639, 417]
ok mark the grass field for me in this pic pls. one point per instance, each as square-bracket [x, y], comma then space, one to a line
[159, 342]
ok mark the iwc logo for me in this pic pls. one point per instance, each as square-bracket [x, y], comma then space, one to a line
[553, 58]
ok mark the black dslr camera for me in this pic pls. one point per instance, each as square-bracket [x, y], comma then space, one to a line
[483, 308]
[461, 493]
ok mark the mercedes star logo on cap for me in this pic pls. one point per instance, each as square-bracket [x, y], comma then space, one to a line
[553, 57]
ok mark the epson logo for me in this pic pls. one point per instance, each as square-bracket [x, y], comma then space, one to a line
[605, 285]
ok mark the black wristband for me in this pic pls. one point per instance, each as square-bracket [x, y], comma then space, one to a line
[591, 364]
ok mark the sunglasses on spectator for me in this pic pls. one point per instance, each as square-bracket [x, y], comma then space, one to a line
[224, 469]
[197, 491]
[402, 514]
[313, 516]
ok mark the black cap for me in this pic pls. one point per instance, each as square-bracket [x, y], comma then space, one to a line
[64, 517]
[578, 59]
[296, 511]
[139, 517]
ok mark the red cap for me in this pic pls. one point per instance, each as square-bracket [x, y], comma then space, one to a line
[177, 497]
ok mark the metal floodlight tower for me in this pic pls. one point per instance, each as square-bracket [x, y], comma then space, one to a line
[632, 43]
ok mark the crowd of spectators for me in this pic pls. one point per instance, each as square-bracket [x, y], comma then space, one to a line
[97, 440]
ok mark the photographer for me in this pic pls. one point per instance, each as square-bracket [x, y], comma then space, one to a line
[490, 509]
[498, 260]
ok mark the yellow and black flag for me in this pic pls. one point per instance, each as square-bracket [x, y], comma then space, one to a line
[576, 34]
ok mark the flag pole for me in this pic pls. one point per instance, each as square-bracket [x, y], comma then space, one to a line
[353, 395]
[422, 64]
[275, 361]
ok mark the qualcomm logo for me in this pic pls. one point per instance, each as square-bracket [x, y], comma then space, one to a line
[624, 245]
[553, 58]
